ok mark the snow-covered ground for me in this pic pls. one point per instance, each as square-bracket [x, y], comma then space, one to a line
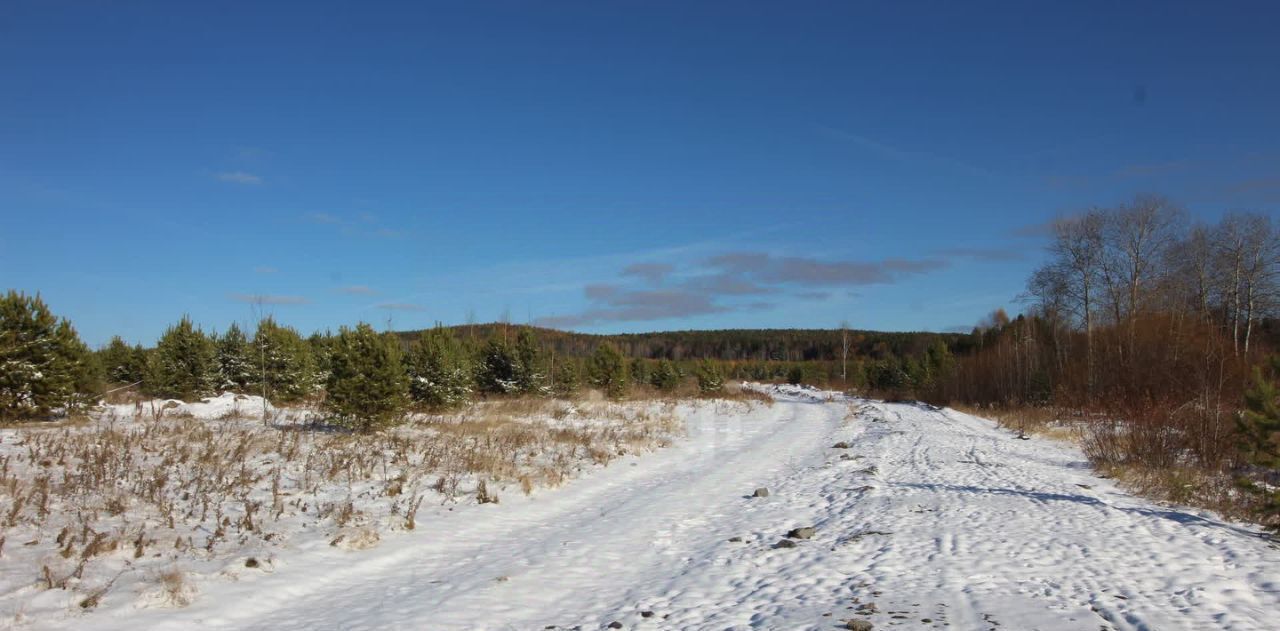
[929, 519]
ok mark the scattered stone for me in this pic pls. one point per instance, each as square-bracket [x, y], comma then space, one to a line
[251, 562]
[785, 543]
[761, 492]
[867, 609]
[858, 625]
[615, 625]
[840, 445]
[735, 539]
[802, 533]
[646, 614]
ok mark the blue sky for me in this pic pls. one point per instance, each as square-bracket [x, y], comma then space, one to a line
[602, 166]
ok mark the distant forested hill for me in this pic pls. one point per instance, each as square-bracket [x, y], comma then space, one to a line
[727, 344]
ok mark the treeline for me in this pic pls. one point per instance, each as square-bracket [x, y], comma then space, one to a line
[736, 345]
[363, 378]
[892, 364]
[366, 378]
[1154, 330]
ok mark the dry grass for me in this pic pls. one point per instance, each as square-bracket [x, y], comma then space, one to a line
[1104, 444]
[1045, 422]
[1188, 486]
[124, 491]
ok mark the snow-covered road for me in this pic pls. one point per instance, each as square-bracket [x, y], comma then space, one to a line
[934, 517]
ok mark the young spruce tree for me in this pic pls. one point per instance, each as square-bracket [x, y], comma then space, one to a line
[186, 365]
[710, 379]
[43, 364]
[1259, 430]
[531, 374]
[440, 373]
[235, 361]
[607, 370]
[121, 363]
[567, 377]
[367, 387]
[282, 363]
[498, 371]
[665, 376]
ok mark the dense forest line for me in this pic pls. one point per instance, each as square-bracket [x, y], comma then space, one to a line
[737, 345]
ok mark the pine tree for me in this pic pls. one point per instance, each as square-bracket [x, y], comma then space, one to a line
[498, 371]
[235, 361]
[607, 370]
[710, 379]
[440, 374]
[367, 386]
[186, 363]
[665, 376]
[43, 364]
[567, 378]
[1259, 430]
[639, 371]
[282, 363]
[530, 374]
[795, 376]
[321, 347]
[121, 363]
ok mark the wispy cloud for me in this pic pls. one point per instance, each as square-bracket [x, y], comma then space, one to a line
[808, 271]
[265, 269]
[990, 255]
[363, 225]
[907, 156]
[266, 299]
[614, 304]
[1034, 230]
[1153, 169]
[238, 177]
[252, 153]
[1255, 185]
[324, 218]
[400, 306]
[726, 284]
[358, 290]
[653, 273]
[719, 283]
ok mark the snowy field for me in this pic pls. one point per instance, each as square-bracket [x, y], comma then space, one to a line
[928, 519]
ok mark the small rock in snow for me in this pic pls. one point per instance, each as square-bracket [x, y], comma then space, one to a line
[646, 614]
[615, 625]
[840, 445]
[735, 539]
[858, 625]
[802, 533]
[761, 492]
[785, 543]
